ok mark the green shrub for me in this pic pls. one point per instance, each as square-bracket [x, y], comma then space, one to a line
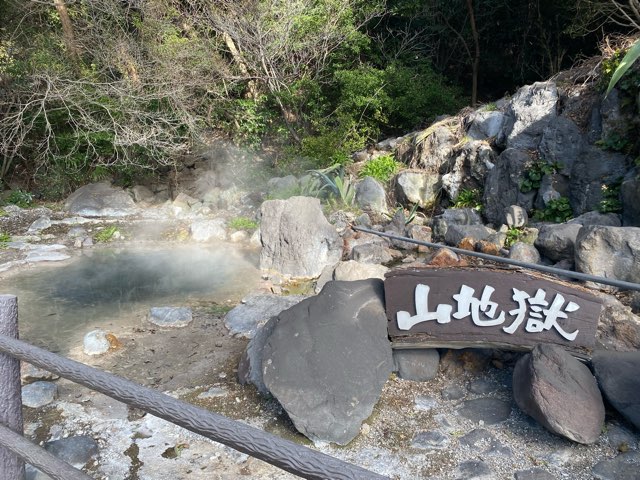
[20, 198]
[558, 210]
[243, 223]
[341, 190]
[5, 238]
[469, 198]
[106, 234]
[381, 168]
[533, 175]
[610, 202]
[514, 234]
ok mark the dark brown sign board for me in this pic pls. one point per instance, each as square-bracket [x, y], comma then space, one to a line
[487, 307]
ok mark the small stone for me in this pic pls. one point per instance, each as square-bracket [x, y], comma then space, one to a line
[425, 403]
[170, 316]
[239, 236]
[96, 342]
[452, 392]
[418, 365]
[445, 258]
[76, 451]
[430, 440]
[620, 438]
[487, 410]
[488, 247]
[41, 223]
[516, 216]
[473, 470]
[39, 394]
[30, 373]
[213, 392]
[524, 252]
[477, 438]
[467, 243]
[533, 474]
[623, 467]
[481, 387]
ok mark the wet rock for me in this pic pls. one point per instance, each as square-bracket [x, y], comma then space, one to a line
[254, 311]
[418, 365]
[334, 350]
[612, 252]
[524, 252]
[549, 379]
[100, 200]
[623, 467]
[370, 195]
[473, 470]
[557, 242]
[530, 111]
[207, 230]
[516, 216]
[47, 253]
[174, 317]
[352, 270]
[454, 216]
[76, 451]
[433, 439]
[486, 410]
[533, 474]
[477, 438]
[38, 394]
[617, 374]
[455, 233]
[297, 239]
[96, 342]
[630, 198]
[416, 187]
[620, 438]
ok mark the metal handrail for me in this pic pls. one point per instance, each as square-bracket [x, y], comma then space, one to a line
[509, 261]
[289, 456]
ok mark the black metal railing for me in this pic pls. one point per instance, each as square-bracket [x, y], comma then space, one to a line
[296, 459]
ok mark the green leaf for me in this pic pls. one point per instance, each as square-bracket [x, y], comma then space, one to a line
[628, 60]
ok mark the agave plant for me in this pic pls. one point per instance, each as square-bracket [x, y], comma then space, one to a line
[337, 184]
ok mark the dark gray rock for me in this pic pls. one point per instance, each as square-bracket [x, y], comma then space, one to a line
[100, 200]
[594, 168]
[296, 238]
[617, 374]
[371, 253]
[620, 438]
[524, 252]
[477, 438]
[552, 187]
[531, 110]
[245, 319]
[557, 242]
[282, 187]
[481, 386]
[417, 187]
[502, 185]
[597, 218]
[625, 466]
[533, 474]
[562, 142]
[418, 365]
[455, 233]
[612, 252]
[328, 358]
[431, 440]
[174, 317]
[39, 394]
[473, 470]
[452, 392]
[250, 365]
[425, 403]
[487, 410]
[370, 195]
[454, 216]
[77, 450]
[548, 380]
[630, 198]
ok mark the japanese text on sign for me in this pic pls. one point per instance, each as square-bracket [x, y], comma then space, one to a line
[540, 315]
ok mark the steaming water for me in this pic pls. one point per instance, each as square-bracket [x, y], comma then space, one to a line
[58, 304]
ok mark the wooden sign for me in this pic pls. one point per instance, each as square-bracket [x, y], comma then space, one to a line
[487, 307]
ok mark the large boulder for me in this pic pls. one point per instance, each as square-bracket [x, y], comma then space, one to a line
[529, 112]
[617, 374]
[370, 195]
[597, 218]
[594, 168]
[561, 143]
[328, 358]
[296, 237]
[455, 233]
[417, 187]
[100, 200]
[454, 216]
[612, 252]
[557, 242]
[467, 168]
[560, 393]
[502, 185]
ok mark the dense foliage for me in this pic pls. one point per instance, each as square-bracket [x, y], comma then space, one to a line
[95, 88]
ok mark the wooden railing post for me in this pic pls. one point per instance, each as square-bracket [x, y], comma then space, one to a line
[11, 466]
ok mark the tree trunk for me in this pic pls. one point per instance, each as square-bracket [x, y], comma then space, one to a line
[67, 30]
[237, 57]
[476, 56]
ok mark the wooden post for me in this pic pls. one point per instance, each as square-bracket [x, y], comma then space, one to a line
[11, 466]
